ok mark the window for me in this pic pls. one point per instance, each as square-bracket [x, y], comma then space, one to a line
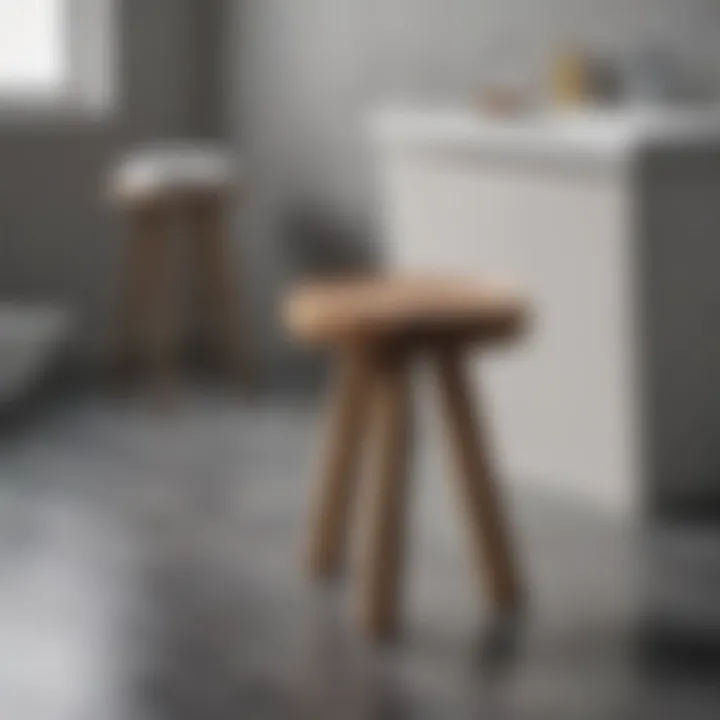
[32, 54]
[56, 53]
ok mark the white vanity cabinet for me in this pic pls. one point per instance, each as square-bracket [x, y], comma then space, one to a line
[613, 226]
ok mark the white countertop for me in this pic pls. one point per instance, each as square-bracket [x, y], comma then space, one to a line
[594, 134]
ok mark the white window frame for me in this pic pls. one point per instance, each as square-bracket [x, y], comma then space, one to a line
[91, 89]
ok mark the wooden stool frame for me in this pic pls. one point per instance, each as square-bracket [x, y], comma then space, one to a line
[149, 317]
[372, 389]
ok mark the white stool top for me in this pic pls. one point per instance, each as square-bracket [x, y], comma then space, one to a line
[170, 168]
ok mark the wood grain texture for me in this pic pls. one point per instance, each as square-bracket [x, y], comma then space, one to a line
[477, 489]
[417, 308]
[387, 502]
[347, 427]
[146, 319]
[152, 316]
[392, 321]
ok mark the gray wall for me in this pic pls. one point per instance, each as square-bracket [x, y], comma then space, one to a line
[305, 74]
[58, 240]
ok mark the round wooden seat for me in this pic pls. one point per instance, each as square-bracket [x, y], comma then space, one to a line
[405, 308]
[379, 326]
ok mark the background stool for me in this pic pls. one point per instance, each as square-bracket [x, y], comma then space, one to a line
[166, 191]
[378, 327]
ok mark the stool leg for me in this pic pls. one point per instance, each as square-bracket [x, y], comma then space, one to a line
[346, 428]
[387, 501]
[478, 492]
[131, 303]
[213, 263]
[146, 327]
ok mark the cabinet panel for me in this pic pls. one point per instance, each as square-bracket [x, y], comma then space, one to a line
[565, 402]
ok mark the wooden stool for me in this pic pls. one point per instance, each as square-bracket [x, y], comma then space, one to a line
[378, 326]
[162, 190]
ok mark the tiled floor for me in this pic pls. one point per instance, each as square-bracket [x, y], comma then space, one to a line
[151, 568]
